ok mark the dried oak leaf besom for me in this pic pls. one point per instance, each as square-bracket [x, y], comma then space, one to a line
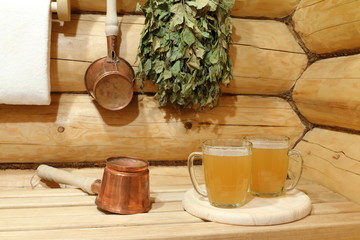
[184, 50]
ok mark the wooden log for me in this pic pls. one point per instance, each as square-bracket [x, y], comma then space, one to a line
[264, 8]
[333, 160]
[242, 8]
[266, 58]
[328, 26]
[328, 92]
[74, 129]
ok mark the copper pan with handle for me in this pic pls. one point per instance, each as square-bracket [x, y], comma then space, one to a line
[109, 80]
[124, 188]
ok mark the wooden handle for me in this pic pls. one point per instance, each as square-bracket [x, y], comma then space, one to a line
[62, 8]
[111, 21]
[61, 176]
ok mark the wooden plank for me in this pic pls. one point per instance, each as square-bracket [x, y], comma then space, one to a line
[29, 213]
[324, 197]
[77, 200]
[327, 93]
[51, 192]
[338, 226]
[334, 207]
[332, 159]
[73, 129]
[336, 26]
[242, 8]
[162, 179]
[266, 58]
[39, 202]
[94, 221]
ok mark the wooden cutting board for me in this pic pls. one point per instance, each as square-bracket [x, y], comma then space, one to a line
[288, 207]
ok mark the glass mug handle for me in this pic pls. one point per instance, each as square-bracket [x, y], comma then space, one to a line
[190, 165]
[295, 181]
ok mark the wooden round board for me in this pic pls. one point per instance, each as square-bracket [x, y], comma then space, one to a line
[288, 207]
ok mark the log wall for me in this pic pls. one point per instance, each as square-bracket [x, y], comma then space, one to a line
[328, 26]
[266, 58]
[74, 129]
[328, 92]
[242, 8]
[333, 159]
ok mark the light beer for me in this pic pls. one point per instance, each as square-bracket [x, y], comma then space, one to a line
[269, 169]
[270, 166]
[227, 175]
[227, 170]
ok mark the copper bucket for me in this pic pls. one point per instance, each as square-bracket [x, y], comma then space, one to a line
[123, 190]
[109, 80]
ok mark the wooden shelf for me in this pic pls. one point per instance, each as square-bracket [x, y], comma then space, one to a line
[68, 213]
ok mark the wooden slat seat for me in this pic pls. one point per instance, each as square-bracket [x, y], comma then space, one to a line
[68, 213]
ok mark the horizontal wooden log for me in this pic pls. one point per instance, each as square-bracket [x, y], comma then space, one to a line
[74, 129]
[242, 8]
[333, 160]
[328, 92]
[266, 58]
[328, 26]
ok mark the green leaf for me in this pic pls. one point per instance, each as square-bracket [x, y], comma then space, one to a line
[184, 50]
[200, 4]
[200, 52]
[228, 3]
[158, 66]
[213, 5]
[187, 36]
[147, 66]
[179, 14]
[176, 54]
[175, 69]
[214, 57]
[138, 7]
[156, 43]
[167, 74]
[193, 62]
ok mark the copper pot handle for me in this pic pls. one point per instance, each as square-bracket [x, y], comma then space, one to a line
[111, 31]
[60, 176]
[111, 21]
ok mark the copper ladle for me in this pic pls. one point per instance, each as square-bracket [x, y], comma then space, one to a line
[109, 80]
[124, 188]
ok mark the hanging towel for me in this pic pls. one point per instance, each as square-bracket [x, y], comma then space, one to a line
[25, 28]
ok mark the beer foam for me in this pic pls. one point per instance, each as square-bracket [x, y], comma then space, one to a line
[228, 152]
[261, 144]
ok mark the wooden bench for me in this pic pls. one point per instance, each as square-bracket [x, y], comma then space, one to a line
[68, 213]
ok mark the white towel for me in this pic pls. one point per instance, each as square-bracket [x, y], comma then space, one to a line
[25, 28]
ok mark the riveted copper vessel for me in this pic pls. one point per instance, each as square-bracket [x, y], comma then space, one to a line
[125, 186]
[109, 80]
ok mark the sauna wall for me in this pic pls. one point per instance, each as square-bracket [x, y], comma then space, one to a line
[267, 61]
[327, 93]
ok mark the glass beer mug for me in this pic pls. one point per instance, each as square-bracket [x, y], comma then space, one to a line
[270, 166]
[227, 169]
